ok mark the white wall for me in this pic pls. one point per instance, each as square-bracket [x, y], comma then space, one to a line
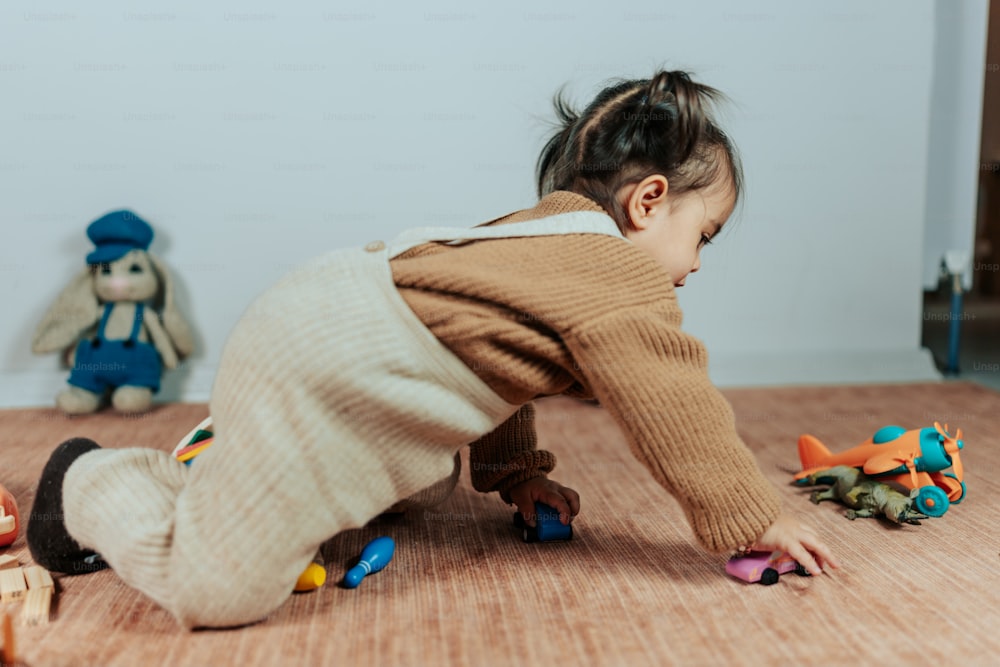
[956, 120]
[255, 135]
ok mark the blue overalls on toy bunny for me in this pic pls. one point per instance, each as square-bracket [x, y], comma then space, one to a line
[101, 363]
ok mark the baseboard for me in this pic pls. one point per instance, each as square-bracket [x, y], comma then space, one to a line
[192, 383]
[38, 388]
[731, 369]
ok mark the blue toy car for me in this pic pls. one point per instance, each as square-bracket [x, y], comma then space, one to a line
[547, 526]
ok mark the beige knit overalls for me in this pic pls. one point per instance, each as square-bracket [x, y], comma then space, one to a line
[332, 401]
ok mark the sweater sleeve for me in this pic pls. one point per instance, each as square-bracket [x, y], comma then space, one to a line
[653, 380]
[508, 455]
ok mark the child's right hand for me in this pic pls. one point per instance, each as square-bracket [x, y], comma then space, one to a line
[563, 499]
[798, 541]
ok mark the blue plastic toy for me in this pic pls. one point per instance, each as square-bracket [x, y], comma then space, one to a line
[375, 556]
[547, 526]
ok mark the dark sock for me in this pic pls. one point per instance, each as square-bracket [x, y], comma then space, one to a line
[50, 545]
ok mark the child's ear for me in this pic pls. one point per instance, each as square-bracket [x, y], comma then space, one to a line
[644, 199]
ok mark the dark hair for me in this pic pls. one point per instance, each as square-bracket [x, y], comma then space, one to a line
[634, 129]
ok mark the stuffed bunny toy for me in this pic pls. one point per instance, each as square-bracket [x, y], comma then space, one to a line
[116, 321]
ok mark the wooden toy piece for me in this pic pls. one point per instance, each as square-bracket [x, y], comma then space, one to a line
[196, 441]
[8, 561]
[38, 577]
[375, 556]
[313, 576]
[10, 521]
[38, 600]
[8, 657]
[187, 454]
[547, 526]
[35, 610]
[12, 585]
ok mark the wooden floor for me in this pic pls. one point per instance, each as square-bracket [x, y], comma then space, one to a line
[630, 589]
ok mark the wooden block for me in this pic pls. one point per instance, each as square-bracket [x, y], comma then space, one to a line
[12, 585]
[38, 577]
[7, 561]
[35, 610]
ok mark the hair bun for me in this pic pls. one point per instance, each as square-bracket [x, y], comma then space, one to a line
[670, 118]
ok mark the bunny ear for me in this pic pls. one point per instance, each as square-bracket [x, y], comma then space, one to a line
[75, 309]
[176, 326]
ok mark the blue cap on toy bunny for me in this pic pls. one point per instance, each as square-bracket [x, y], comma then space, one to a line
[117, 233]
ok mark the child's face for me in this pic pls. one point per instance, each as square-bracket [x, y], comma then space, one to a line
[673, 230]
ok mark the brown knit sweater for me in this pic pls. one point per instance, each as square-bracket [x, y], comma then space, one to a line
[589, 315]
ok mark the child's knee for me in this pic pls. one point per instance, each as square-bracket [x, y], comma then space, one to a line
[226, 597]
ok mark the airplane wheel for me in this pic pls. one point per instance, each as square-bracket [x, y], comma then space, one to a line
[932, 501]
[962, 495]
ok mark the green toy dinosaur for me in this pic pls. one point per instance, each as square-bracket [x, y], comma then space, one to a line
[865, 496]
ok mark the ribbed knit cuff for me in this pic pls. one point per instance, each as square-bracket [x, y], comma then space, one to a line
[508, 455]
[527, 465]
[753, 508]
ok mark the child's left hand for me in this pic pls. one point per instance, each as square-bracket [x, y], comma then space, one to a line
[800, 542]
[541, 489]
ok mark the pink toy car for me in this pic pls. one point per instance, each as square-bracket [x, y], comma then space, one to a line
[764, 566]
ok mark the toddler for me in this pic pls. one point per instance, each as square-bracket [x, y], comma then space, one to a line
[348, 388]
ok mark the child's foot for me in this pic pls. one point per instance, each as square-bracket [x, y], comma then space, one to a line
[50, 545]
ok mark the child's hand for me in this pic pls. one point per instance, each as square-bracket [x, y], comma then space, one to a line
[562, 498]
[798, 541]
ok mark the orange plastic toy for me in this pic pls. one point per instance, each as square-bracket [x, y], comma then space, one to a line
[10, 521]
[916, 459]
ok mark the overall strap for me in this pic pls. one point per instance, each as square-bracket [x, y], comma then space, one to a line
[137, 323]
[108, 307]
[575, 222]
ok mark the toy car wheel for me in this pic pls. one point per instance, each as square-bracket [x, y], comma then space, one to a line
[528, 533]
[801, 570]
[769, 577]
[932, 501]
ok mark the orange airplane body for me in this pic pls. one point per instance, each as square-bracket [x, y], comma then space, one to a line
[916, 459]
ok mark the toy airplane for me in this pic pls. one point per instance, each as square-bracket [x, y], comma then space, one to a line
[916, 459]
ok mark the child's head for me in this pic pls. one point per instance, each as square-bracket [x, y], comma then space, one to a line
[649, 152]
